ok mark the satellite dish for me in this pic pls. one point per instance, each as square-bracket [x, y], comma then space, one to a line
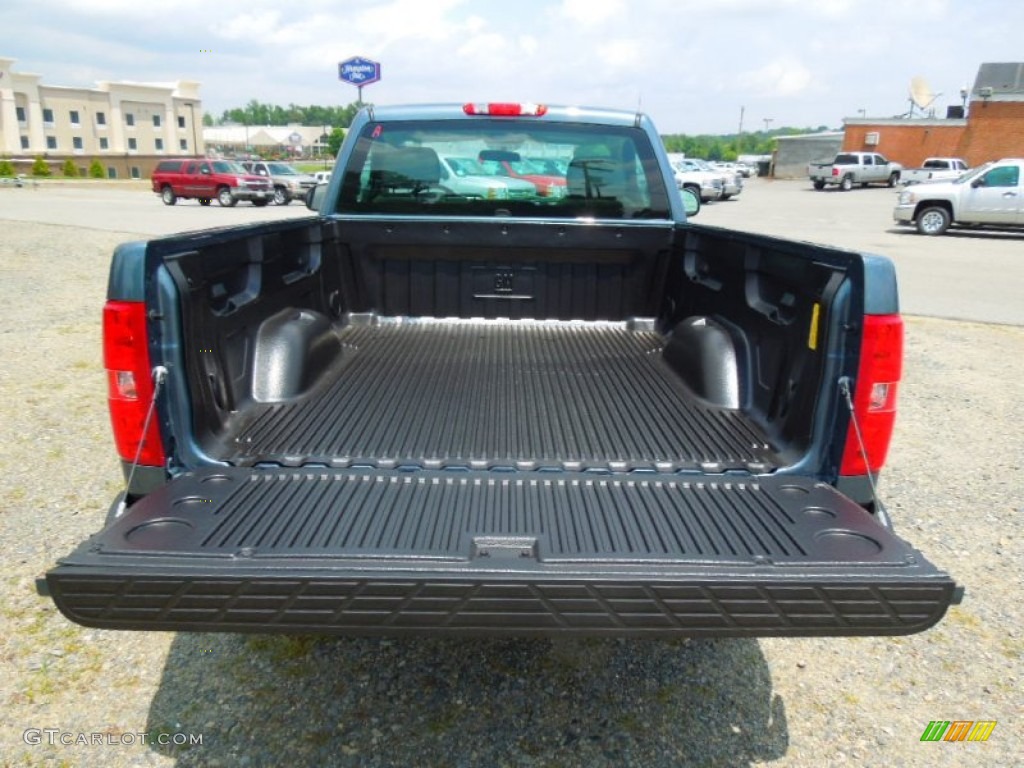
[921, 93]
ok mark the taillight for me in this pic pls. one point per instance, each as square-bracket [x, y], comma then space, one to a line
[874, 398]
[496, 109]
[835, 171]
[130, 382]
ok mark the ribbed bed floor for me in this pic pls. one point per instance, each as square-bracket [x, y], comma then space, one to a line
[484, 394]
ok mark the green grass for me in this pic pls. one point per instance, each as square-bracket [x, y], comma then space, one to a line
[314, 167]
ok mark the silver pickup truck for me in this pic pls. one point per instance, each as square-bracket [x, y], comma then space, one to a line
[990, 195]
[934, 169]
[849, 168]
[289, 184]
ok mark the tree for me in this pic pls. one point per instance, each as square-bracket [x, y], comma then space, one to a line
[255, 113]
[207, 119]
[70, 170]
[334, 141]
[6, 167]
[729, 146]
[40, 167]
[96, 169]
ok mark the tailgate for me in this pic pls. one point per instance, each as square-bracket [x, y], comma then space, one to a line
[361, 551]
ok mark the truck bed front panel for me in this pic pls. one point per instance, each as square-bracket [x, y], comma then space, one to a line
[374, 551]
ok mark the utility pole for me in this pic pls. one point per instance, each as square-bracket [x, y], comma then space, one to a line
[740, 131]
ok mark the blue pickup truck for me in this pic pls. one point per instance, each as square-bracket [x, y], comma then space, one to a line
[425, 411]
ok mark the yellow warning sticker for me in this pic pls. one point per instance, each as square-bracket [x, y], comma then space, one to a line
[812, 336]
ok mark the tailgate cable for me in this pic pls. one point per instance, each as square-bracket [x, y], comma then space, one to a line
[880, 511]
[159, 374]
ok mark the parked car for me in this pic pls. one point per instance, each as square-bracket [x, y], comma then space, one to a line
[708, 185]
[467, 177]
[289, 183]
[849, 168]
[732, 179]
[991, 194]
[205, 180]
[510, 164]
[552, 166]
[934, 169]
[746, 170]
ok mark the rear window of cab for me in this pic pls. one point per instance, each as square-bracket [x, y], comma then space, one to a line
[420, 168]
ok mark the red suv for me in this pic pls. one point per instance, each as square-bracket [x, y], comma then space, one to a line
[510, 164]
[205, 180]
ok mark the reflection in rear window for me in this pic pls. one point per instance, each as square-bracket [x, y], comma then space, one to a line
[449, 167]
[221, 166]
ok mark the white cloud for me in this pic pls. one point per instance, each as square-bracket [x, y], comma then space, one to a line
[256, 27]
[621, 53]
[401, 20]
[590, 12]
[782, 77]
[474, 24]
[695, 62]
[486, 46]
[835, 8]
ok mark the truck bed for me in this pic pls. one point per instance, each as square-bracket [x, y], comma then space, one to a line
[488, 394]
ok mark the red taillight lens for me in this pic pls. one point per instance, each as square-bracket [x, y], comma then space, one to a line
[130, 382]
[498, 109]
[874, 398]
[835, 171]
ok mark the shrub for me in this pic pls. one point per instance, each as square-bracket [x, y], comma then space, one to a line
[96, 170]
[69, 170]
[6, 167]
[40, 167]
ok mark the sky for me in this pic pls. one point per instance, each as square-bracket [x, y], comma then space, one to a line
[695, 66]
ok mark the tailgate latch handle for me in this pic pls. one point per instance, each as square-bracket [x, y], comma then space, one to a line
[504, 547]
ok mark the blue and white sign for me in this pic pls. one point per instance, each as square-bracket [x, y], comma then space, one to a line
[359, 71]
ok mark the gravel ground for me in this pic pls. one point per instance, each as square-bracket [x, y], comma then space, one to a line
[953, 488]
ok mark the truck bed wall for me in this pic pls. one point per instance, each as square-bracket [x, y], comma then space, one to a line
[260, 313]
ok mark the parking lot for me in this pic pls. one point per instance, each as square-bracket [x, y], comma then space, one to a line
[952, 487]
[965, 275]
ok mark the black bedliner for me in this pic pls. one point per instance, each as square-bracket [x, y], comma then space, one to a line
[519, 394]
[369, 550]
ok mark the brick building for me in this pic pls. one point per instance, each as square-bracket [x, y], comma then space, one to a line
[992, 129]
[127, 126]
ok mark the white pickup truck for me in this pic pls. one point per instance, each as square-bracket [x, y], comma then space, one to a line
[988, 195]
[707, 185]
[934, 169]
[849, 168]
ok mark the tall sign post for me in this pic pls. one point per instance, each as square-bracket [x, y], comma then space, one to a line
[358, 71]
